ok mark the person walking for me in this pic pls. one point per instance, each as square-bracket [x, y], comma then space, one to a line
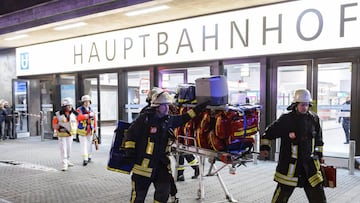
[2, 119]
[147, 144]
[86, 128]
[8, 121]
[300, 151]
[345, 119]
[65, 125]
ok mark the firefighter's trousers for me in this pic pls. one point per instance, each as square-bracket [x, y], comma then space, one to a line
[140, 186]
[314, 194]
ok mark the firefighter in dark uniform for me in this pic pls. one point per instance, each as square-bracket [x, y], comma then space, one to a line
[300, 151]
[147, 143]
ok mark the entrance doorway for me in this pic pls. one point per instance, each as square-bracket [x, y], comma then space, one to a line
[20, 106]
[330, 85]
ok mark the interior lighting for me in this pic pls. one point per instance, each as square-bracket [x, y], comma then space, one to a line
[147, 10]
[16, 37]
[69, 26]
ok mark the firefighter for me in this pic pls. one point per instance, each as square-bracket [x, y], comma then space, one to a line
[65, 126]
[300, 151]
[191, 159]
[86, 128]
[147, 144]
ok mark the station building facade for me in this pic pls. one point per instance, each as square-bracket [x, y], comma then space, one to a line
[265, 52]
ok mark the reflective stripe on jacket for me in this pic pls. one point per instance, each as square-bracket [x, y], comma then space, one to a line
[86, 125]
[67, 124]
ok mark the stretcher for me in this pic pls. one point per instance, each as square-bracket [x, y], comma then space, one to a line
[232, 156]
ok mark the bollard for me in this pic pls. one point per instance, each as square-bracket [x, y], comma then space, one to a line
[352, 157]
[42, 126]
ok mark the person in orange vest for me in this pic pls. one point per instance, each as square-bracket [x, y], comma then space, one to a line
[65, 125]
[86, 128]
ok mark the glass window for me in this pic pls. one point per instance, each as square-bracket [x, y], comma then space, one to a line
[67, 87]
[334, 90]
[171, 78]
[243, 83]
[109, 96]
[289, 78]
[138, 88]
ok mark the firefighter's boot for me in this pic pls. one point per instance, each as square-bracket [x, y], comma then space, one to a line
[196, 172]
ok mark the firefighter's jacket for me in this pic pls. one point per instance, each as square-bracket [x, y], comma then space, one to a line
[147, 142]
[87, 124]
[300, 150]
[65, 123]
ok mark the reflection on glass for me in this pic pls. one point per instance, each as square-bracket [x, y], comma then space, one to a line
[20, 105]
[289, 78]
[172, 78]
[47, 106]
[109, 96]
[334, 89]
[138, 88]
[67, 87]
[90, 88]
[243, 83]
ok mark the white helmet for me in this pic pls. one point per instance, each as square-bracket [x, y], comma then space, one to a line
[154, 90]
[66, 101]
[161, 98]
[85, 98]
[302, 95]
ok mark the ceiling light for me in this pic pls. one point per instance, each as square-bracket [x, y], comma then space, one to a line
[147, 10]
[16, 37]
[69, 26]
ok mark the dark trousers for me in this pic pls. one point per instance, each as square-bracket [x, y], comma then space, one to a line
[346, 127]
[314, 194]
[141, 184]
[190, 158]
[173, 188]
[8, 129]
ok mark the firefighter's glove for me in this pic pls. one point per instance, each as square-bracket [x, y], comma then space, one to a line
[201, 107]
[264, 151]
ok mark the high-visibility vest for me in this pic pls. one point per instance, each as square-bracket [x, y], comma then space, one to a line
[68, 123]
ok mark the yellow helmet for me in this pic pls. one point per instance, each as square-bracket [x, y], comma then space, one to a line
[161, 98]
[302, 95]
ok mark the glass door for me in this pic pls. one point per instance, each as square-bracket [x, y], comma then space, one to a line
[289, 78]
[170, 79]
[46, 96]
[20, 98]
[91, 88]
[138, 86]
[334, 90]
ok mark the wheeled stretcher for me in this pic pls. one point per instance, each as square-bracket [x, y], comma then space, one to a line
[223, 134]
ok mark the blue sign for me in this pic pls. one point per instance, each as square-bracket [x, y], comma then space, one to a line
[24, 61]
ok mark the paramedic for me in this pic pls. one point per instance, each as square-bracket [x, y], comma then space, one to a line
[86, 128]
[300, 151]
[65, 126]
[147, 144]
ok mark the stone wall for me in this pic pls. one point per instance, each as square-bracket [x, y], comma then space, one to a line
[7, 73]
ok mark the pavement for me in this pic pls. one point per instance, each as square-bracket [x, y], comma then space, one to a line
[30, 172]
